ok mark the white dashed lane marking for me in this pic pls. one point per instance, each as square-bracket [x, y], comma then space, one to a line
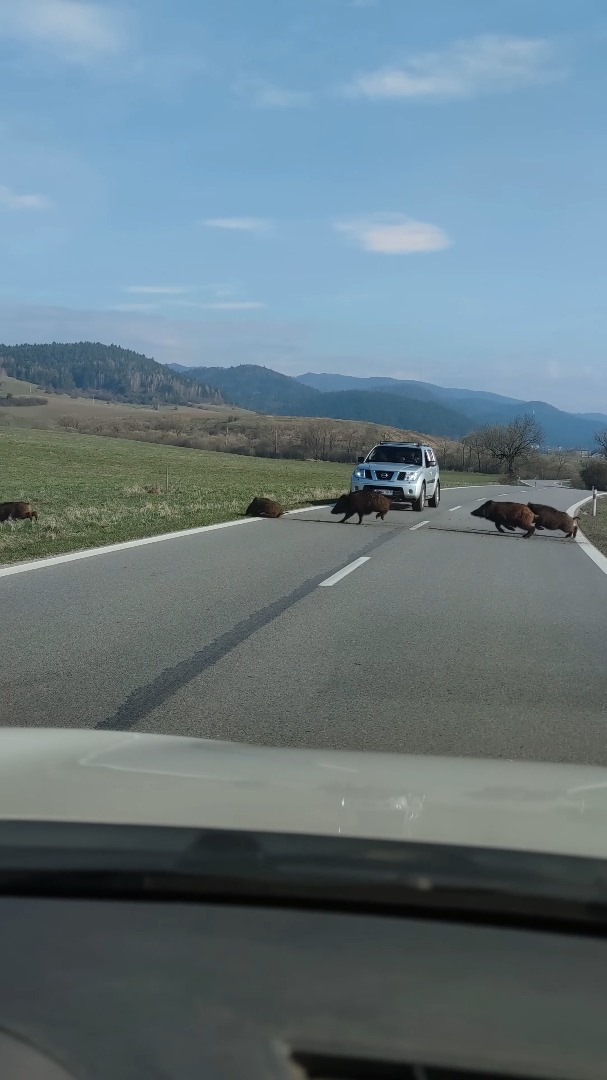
[343, 572]
[419, 525]
[454, 508]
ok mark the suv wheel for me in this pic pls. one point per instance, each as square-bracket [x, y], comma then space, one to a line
[420, 503]
[435, 499]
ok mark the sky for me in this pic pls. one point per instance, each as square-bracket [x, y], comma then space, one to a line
[411, 188]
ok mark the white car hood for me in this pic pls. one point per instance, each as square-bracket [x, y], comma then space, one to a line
[108, 777]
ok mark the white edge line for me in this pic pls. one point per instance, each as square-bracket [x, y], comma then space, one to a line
[419, 525]
[343, 572]
[109, 549]
[467, 487]
[306, 509]
[586, 545]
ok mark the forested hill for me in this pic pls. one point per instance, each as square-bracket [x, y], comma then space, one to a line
[107, 371]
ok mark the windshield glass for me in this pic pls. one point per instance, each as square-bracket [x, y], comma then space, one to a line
[302, 332]
[397, 455]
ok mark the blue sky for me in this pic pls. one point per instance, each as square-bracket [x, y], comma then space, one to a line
[412, 188]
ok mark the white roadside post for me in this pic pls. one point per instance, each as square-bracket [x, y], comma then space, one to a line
[594, 502]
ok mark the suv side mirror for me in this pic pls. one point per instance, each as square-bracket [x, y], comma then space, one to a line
[360, 459]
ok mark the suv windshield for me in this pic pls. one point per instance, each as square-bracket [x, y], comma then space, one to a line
[398, 455]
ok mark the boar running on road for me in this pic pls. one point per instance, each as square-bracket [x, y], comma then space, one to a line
[265, 508]
[361, 503]
[547, 517]
[18, 511]
[507, 515]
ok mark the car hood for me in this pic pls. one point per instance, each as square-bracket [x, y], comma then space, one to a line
[108, 777]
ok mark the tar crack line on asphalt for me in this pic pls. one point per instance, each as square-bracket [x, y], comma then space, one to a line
[145, 699]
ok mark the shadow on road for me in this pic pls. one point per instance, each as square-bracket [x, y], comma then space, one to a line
[495, 535]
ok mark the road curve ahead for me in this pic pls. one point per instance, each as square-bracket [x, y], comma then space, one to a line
[426, 633]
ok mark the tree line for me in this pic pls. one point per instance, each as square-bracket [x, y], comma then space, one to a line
[108, 372]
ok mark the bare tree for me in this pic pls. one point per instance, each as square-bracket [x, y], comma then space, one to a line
[475, 441]
[600, 439]
[510, 444]
[561, 460]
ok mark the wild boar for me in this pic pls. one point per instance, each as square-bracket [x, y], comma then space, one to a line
[265, 508]
[361, 503]
[549, 518]
[17, 511]
[507, 515]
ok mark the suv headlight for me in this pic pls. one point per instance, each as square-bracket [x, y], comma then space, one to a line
[412, 477]
[359, 474]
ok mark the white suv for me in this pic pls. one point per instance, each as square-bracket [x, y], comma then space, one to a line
[405, 472]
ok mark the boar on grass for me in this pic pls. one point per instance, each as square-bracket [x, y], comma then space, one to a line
[265, 508]
[18, 511]
[361, 503]
[507, 515]
[547, 517]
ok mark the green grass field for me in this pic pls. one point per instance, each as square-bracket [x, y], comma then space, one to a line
[91, 491]
[595, 528]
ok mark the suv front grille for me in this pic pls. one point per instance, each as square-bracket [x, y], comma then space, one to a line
[384, 475]
[401, 476]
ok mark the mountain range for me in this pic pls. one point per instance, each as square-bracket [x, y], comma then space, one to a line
[403, 403]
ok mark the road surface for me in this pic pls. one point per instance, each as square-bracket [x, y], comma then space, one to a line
[448, 639]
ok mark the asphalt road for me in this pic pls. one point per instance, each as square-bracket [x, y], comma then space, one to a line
[449, 639]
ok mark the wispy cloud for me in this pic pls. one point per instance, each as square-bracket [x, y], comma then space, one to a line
[233, 305]
[10, 201]
[239, 224]
[394, 234]
[134, 307]
[159, 290]
[73, 30]
[483, 65]
[265, 95]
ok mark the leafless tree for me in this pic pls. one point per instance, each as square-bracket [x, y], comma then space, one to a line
[475, 442]
[600, 439]
[510, 444]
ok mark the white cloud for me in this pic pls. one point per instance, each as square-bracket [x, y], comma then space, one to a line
[74, 30]
[265, 95]
[233, 305]
[240, 224]
[10, 201]
[483, 65]
[394, 234]
[159, 290]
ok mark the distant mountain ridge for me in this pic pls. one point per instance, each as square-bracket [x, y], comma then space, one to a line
[329, 382]
[404, 403]
[267, 391]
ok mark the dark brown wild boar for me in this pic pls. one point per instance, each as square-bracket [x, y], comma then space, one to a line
[17, 511]
[361, 503]
[507, 515]
[265, 508]
[550, 518]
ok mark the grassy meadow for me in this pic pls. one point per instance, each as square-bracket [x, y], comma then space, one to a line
[595, 528]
